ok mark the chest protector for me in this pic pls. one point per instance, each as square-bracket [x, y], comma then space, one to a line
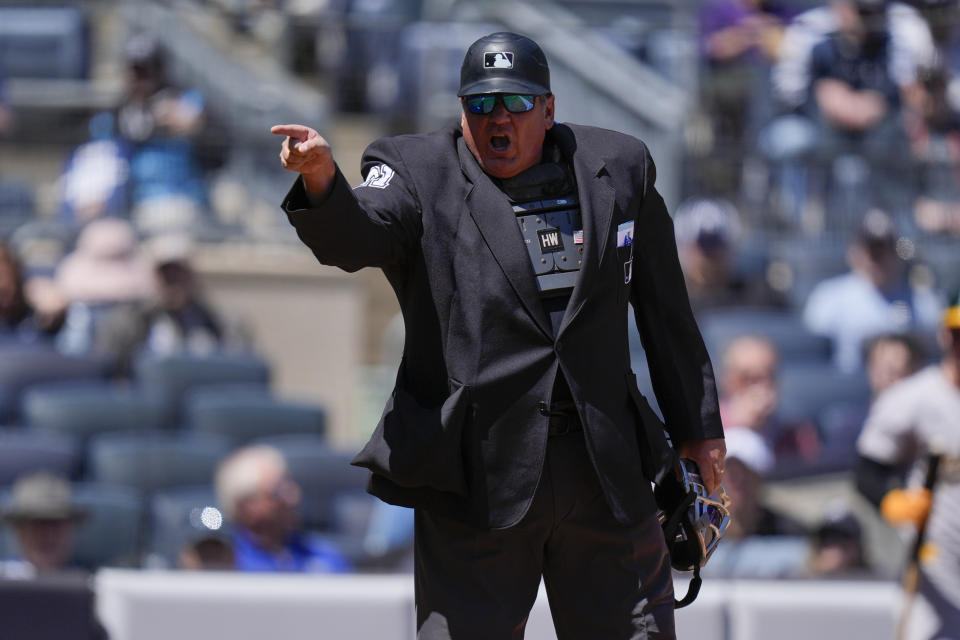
[544, 197]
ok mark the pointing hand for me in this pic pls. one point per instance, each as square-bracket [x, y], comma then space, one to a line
[308, 153]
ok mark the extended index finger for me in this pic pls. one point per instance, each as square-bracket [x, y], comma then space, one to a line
[296, 131]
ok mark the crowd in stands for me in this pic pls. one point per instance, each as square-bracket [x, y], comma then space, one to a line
[822, 292]
[137, 425]
[819, 297]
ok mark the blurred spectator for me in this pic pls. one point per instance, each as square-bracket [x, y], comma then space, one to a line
[209, 553]
[889, 357]
[49, 306]
[909, 421]
[29, 311]
[873, 298]
[892, 357]
[748, 384]
[14, 310]
[105, 272]
[178, 320]
[707, 232]
[258, 496]
[739, 39]
[851, 80]
[759, 542]
[838, 545]
[933, 123]
[911, 48]
[162, 124]
[856, 101]
[44, 521]
[791, 139]
[750, 396]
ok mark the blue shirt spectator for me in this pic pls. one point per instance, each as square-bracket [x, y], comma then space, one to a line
[302, 553]
[261, 500]
[875, 297]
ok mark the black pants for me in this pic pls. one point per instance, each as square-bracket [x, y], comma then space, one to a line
[604, 581]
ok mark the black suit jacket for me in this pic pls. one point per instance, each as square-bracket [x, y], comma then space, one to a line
[461, 432]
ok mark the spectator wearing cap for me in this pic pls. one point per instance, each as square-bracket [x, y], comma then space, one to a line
[169, 132]
[258, 496]
[874, 297]
[44, 521]
[707, 232]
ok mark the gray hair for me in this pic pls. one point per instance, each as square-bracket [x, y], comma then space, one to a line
[238, 476]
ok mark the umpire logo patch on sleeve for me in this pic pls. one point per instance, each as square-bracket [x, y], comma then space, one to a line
[550, 240]
[379, 177]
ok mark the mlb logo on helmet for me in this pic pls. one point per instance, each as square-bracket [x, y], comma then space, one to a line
[504, 62]
[497, 60]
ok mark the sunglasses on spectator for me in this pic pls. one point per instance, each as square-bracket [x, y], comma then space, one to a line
[484, 104]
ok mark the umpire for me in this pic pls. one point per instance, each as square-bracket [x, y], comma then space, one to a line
[515, 428]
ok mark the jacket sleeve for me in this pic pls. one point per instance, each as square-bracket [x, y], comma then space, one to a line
[680, 368]
[376, 224]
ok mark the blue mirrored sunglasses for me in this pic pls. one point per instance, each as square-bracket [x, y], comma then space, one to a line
[484, 104]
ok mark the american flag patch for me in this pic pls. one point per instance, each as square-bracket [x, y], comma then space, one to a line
[578, 237]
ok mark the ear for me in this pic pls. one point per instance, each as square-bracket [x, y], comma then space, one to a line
[548, 111]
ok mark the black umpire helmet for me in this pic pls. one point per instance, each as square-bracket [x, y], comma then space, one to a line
[504, 62]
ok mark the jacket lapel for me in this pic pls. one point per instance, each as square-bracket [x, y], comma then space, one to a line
[596, 209]
[493, 215]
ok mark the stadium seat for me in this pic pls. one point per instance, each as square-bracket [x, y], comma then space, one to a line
[149, 461]
[943, 258]
[85, 409]
[243, 415]
[785, 329]
[798, 264]
[112, 534]
[173, 376]
[807, 389]
[24, 451]
[16, 205]
[179, 516]
[44, 42]
[22, 366]
[323, 474]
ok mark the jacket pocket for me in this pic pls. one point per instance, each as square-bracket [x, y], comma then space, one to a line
[656, 454]
[419, 446]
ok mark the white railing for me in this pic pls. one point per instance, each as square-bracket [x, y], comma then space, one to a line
[156, 605]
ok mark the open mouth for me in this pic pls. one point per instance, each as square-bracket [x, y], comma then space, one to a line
[500, 143]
